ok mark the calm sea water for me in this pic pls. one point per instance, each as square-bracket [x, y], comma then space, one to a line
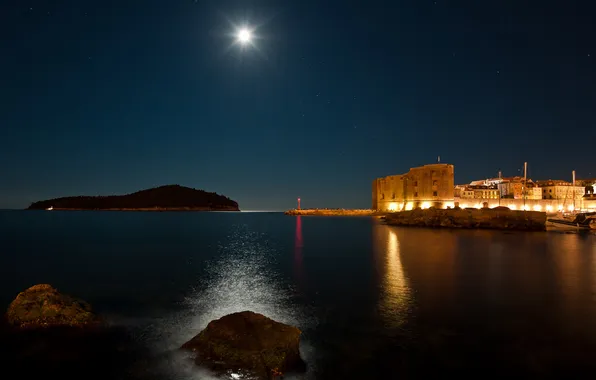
[373, 301]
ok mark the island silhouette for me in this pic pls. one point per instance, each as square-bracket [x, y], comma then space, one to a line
[162, 198]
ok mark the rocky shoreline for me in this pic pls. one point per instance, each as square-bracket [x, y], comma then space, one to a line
[498, 218]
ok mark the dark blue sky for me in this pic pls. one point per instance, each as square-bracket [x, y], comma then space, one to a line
[110, 97]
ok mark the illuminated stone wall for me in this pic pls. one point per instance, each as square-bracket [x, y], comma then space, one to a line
[375, 201]
[589, 203]
[548, 205]
[432, 183]
[425, 186]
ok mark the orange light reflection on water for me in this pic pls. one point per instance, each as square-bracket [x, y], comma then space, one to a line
[395, 290]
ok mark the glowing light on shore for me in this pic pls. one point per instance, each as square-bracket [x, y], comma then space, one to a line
[537, 208]
[512, 207]
[425, 205]
[392, 206]
[409, 206]
[549, 208]
[478, 206]
[449, 204]
[570, 208]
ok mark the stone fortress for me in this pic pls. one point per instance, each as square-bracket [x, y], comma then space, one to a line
[433, 186]
[425, 186]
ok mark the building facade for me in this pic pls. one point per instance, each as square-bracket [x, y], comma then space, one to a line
[458, 190]
[519, 188]
[480, 192]
[557, 189]
[589, 182]
[424, 186]
[533, 191]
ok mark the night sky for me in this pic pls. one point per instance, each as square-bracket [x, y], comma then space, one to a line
[110, 97]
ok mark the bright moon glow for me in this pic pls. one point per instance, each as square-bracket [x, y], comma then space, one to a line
[244, 36]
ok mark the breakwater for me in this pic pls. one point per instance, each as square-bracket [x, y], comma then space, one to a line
[499, 219]
[334, 212]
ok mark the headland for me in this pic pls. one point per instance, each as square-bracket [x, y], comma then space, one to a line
[163, 198]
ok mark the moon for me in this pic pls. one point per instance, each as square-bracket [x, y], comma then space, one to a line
[244, 36]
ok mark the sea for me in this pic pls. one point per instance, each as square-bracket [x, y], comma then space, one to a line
[373, 301]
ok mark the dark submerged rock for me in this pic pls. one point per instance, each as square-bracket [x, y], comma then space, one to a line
[249, 343]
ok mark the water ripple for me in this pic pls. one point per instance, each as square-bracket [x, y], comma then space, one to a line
[240, 279]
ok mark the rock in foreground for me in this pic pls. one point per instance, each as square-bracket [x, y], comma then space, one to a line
[45, 334]
[248, 342]
[42, 306]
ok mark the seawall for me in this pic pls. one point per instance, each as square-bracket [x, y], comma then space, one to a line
[548, 205]
[498, 219]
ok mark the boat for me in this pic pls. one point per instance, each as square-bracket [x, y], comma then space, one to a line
[50, 208]
[582, 221]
